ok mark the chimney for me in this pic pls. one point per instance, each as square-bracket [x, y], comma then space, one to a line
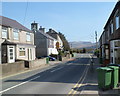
[34, 26]
[50, 30]
[42, 29]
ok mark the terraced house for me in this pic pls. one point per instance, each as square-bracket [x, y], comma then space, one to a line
[45, 44]
[55, 35]
[110, 38]
[16, 41]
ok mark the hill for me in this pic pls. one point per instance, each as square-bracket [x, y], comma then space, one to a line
[82, 44]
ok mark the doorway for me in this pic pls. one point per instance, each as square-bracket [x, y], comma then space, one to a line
[11, 54]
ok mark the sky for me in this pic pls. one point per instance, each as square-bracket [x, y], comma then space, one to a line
[78, 21]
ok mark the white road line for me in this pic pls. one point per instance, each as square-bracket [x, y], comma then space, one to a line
[56, 69]
[69, 63]
[18, 85]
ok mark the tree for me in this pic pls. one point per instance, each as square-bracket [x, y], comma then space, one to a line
[65, 42]
[78, 51]
[84, 50]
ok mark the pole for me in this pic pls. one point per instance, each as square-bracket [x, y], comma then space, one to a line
[96, 40]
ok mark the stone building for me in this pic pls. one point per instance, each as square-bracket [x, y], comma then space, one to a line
[110, 38]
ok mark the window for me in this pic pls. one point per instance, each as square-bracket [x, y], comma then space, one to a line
[117, 43]
[117, 22]
[28, 36]
[4, 32]
[21, 51]
[107, 53]
[51, 44]
[16, 34]
[111, 27]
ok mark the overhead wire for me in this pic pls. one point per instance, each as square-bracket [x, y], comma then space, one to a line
[25, 13]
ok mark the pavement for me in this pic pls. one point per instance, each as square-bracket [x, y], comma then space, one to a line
[90, 84]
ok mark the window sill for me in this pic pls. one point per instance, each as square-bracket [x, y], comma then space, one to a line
[22, 56]
[16, 39]
[4, 38]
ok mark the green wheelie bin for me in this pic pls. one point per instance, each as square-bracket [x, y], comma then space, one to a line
[115, 76]
[119, 70]
[47, 60]
[104, 77]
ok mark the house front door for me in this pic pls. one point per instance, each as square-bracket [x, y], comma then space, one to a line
[11, 54]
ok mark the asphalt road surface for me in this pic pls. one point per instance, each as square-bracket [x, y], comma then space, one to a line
[55, 79]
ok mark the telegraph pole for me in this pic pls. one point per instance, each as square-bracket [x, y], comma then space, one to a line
[96, 40]
[71, 47]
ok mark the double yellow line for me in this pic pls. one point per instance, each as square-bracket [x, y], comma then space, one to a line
[79, 83]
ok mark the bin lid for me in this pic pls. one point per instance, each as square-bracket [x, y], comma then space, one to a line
[114, 67]
[104, 68]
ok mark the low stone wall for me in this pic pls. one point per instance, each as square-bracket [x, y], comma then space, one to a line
[12, 68]
[19, 66]
[37, 63]
[67, 57]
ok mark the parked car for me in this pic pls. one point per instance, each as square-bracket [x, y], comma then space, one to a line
[51, 58]
[41, 57]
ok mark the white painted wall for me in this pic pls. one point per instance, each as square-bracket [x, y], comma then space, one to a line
[53, 50]
[26, 53]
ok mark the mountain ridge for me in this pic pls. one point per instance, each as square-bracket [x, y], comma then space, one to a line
[82, 44]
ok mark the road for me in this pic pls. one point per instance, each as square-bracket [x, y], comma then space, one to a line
[55, 79]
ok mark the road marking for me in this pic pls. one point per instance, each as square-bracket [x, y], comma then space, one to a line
[18, 85]
[81, 84]
[69, 63]
[72, 92]
[56, 69]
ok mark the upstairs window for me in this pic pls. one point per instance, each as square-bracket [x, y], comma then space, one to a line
[117, 20]
[4, 32]
[51, 44]
[16, 34]
[28, 36]
[111, 27]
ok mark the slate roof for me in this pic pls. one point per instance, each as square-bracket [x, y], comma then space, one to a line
[12, 23]
[46, 35]
[113, 12]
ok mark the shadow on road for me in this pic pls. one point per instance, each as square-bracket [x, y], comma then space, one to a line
[67, 74]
